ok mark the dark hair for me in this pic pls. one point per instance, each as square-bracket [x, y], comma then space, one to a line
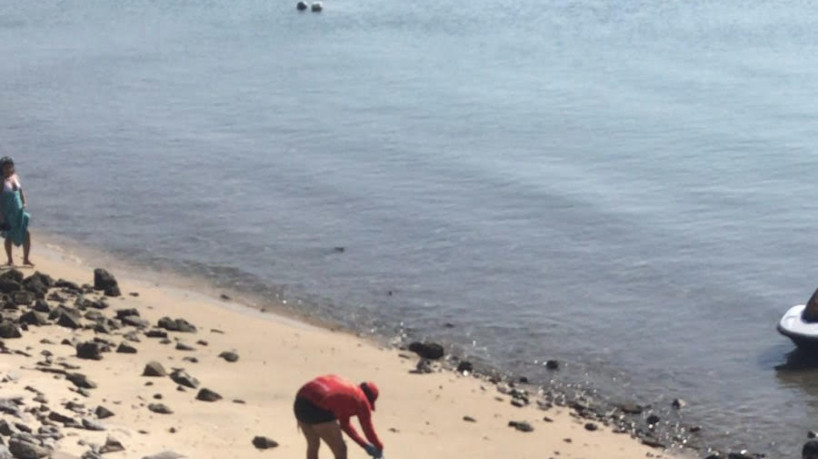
[6, 160]
[810, 450]
[368, 392]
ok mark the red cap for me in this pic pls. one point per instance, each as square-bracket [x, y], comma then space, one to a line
[371, 392]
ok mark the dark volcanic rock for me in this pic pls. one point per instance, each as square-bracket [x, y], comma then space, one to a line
[122, 313]
[522, 426]
[67, 285]
[103, 279]
[154, 369]
[34, 318]
[103, 412]
[113, 291]
[631, 408]
[81, 381]
[61, 418]
[41, 306]
[160, 408]
[90, 424]
[112, 445]
[23, 298]
[182, 378]
[136, 321]
[125, 348]
[264, 442]
[10, 330]
[178, 325]
[13, 274]
[9, 286]
[229, 356]
[465, 366]
[156, 333]
[431, 351]
[89, 350]
[678, 403]
[207, 395]
[552, 365]
[180, 346]
[68, 319]
[24, 450]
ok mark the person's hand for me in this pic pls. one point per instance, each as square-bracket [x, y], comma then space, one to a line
[373, 451]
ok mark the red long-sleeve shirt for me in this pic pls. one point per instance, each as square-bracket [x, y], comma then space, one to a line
[344, 399]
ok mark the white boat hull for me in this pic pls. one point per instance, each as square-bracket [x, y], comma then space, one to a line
[803, 334]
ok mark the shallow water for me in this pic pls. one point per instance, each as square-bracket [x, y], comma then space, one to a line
[623, 186]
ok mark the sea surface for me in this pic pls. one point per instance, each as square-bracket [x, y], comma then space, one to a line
[626, 186]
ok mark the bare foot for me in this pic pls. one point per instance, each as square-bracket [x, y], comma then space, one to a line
[27, 262]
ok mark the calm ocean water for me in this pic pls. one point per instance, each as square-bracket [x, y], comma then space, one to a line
[625, 186]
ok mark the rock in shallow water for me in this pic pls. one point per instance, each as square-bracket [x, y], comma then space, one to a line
[432, 351]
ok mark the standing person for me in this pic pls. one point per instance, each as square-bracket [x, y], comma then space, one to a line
[14, 226]
[325, 399]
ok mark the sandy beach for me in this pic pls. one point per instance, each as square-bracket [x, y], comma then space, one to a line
[441, 414]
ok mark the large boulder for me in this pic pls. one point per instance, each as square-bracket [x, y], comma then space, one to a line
[432, 351]
[103, 280]
[9, 329]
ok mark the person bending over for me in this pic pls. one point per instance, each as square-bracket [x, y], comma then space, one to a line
[330, 398]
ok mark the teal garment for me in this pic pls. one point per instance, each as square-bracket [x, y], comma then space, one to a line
[15, 217]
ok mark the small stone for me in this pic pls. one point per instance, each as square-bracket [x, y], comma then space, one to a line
[207, 395]
[154, 369]
[81, 381]
[125, 348]
[180, 346]
[552, 365]
[103, 412]
[590, 426]
[182, 378]
[160, 408]
[112, 445]
[469, 419]
[229, 356]
[264, 442]
[465, 367]
[678, 403]
[522, 426]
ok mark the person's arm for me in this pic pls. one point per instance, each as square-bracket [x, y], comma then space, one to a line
[20, 187]
[365, 418]
[347, 427]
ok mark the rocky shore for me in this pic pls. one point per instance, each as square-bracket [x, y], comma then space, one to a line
[93, 367]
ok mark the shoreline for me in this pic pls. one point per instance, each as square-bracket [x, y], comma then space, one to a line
[417, 410]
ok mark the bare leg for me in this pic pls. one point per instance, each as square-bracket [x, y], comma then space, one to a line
[330, 432]
[27, 249]
[313, 440]
[8, 251]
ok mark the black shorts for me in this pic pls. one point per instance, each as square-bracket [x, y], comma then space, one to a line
[308, 413]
